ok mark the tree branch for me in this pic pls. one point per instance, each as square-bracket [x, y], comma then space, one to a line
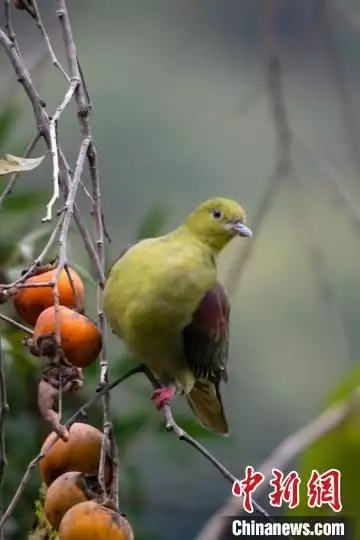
[82, 100]
[54, 146]
[43, 125]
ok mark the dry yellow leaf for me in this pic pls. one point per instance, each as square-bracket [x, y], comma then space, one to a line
[12, 164]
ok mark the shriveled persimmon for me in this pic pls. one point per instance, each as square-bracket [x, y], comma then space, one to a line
[94, 522]
[81, 339]
[66, 491]
[81, 452]
[29, 302]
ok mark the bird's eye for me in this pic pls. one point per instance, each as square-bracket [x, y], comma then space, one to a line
[217, 214]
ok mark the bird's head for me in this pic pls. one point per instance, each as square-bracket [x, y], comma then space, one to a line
[217, 221]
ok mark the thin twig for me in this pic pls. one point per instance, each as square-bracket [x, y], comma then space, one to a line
[43, 125]
[82, 99]
[54, 147]
[17, 324]
[8, 22]
[41, 27]
[83, 82]
[62, 241]
[99, 234]
[114, 493]
[39, 260]
[73, 288]
[70, 202]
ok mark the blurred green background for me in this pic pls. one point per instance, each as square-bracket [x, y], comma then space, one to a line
[182, 113]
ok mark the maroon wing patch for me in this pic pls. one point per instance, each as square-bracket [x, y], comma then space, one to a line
[206, 338]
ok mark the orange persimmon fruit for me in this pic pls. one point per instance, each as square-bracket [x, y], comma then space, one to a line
[81, 339]
[92, 521]
[81, 452]
[29, 302]
[66, 491]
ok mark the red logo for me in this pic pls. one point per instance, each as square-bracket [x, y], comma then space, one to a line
[286, 489]
[324, 489]
[321, 489]
[247, 486]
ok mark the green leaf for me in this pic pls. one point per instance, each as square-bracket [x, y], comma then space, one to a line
[25, 201]
[339, 449]
[153, 224]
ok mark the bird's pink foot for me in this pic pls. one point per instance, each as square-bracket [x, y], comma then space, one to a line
[162, 396]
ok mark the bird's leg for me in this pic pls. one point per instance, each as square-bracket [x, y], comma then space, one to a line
[162, 396]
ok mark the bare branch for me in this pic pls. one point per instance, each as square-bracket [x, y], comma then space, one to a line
[43, 126]
[69, 205]
[8, 23]
[17, 324]
[41, 27]
[54, 146]
[82, 99]
[38, 261]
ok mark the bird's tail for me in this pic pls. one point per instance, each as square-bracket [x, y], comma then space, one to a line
[206, 403]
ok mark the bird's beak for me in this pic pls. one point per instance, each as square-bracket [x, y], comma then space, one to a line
[241, 229]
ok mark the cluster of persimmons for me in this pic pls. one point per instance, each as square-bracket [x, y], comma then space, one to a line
[75, 504]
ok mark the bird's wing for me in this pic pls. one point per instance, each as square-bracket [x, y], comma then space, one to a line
[206, 347]
[206, 338]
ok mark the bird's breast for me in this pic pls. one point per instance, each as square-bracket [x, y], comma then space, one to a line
[153, 291]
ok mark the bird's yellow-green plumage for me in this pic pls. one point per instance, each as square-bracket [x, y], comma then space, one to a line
[153, 292]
